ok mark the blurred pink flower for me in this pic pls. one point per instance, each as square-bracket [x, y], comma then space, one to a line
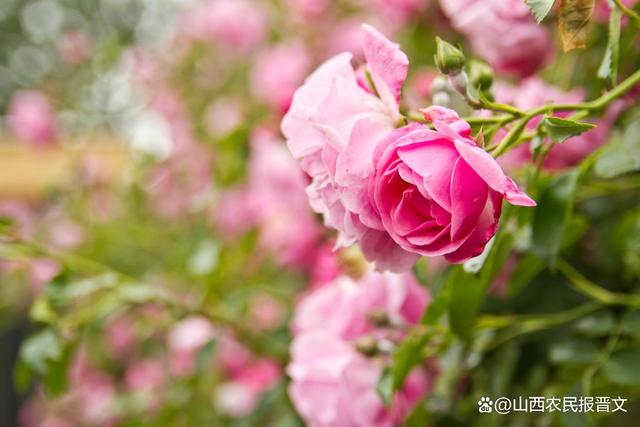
[503, 32]
[532, 93]
[235, 25]
[120, 335]
[266, 312]
[341, 306]
[185, 339]
[277, 72]
[74, 47]
[63, 233]
[333, 384]
[399, 11]
[223, 116]
[603, 9]
[41, 272]
[31, 118]
[145, 375]
[305, 10]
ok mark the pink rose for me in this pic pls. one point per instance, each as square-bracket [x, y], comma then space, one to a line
[373, 184]
[503, 32]
[398, 11]
[74, 47]
[333, 108]
[436, 191]
[332, 383]
[277, 72]
[341, 307]
[31, 118]
[185, 339]
[235, 25]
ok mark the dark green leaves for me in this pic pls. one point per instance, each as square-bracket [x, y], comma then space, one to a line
[552, 215]
[560, 130]
[385, 386]
[468, 290]
[621, 156]
[623, 367]
[540, 8]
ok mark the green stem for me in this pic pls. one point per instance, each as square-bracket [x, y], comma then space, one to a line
[520, 325]
[604, 355]
[586, 287]
[629, 12]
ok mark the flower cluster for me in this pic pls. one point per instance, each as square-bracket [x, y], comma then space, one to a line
[343, 333]
[400, 193]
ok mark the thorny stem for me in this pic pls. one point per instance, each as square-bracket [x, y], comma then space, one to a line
[582, 109]
[629, 12]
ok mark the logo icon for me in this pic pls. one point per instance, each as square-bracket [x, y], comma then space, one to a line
[485, 405]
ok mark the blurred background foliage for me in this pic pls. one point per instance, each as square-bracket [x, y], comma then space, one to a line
[123, 227]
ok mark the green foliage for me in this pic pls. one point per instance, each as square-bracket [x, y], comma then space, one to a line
[552, 215]
[621, 156]
[540, 8]
[561, 129]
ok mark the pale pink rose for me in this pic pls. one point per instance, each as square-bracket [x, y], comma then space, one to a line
[325, 268]
[436, 191]
[332, 113]
[332, 384]
[146, 375]
[266, 312]
[64, 233]
[277, 72]
[74, 47]
[503, 32]
[41, 272]
[31, 118]
[179, 184]
[120, 335]
[341, 307]
[240, 396]
[532, 93]
[223, 116]
[287, 226]
[260, 375]
[400, 11]
[235, 25]
[185, 339]
[305, 10]
[232, 356]
[235, 399]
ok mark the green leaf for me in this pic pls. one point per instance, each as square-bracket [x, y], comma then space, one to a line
[385, 386]
[468, 290]
[572, 351]
[420, 416]
[623, 367]
[552, 215]
[630, 322]
[540, 8]
[598, 324]
[609, 67]
[39, 349]
[621, 156]
[407, 356]
[561, 129]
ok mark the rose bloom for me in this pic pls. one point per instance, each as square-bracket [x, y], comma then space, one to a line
[332, 383]
[235, 25]
[31, 118]
[74, 47]
[185, 339]
[277, 72]
[379, 186]
[503, 32]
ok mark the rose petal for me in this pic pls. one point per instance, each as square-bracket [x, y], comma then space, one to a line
[515, 196]
[484, 165]
[468, 199]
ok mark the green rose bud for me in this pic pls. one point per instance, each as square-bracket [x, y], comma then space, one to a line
[449, 59]
[481, 75]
